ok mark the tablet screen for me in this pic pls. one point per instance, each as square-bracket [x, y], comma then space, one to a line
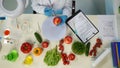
[82, 26]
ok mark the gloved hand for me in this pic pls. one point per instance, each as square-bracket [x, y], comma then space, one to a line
[64, 18]
[60, 11]
[48, 11]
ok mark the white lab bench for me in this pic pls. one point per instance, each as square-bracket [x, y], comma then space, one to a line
[21, 34]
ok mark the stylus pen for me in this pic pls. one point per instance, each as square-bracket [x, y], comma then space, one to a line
[73, 6]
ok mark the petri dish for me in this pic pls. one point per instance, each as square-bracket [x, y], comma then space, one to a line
[51, 31]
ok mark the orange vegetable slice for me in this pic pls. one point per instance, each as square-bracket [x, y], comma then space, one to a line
[37, 51]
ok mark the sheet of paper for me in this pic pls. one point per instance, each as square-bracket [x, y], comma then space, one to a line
[118, 26]
[83, 27]
[106, 25]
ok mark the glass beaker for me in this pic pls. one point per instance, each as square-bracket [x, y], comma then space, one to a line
[26, 25]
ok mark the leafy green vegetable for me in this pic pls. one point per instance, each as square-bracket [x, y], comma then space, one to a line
[87, 49]
[78, 48]
[52, 57]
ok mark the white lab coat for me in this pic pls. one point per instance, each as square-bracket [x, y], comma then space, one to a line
[39, 5]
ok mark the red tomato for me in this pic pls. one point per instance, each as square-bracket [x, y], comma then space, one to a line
[66, 62]
[45, 44]
[61, 47]
[68, 39]
[71, 56]
[98, 40]
[57, 20]
[61, 41]
[91, 52]
[64, 55]
[26, 47]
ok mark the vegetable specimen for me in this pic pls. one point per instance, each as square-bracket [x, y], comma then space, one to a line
[45, 44]
[97, 45]
[28, 60]
[52, 57]
[37, 51]
[57, 20]
[65, 58]
[78, 48]
[26, 47]
[71, 56]
[87, 49]
[12, 56]
[68, 39]
[38, 37]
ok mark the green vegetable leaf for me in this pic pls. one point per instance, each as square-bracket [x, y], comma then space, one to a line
[52, 57]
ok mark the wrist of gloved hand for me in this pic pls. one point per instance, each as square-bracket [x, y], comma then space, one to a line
[64, 18]
[59, 11]
[48, 11]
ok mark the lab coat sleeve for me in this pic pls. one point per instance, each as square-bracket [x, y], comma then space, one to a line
[67, 10]
[37, 7]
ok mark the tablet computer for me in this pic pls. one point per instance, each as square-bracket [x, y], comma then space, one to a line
[82, 27]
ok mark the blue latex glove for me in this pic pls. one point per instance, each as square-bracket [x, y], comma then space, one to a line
[64, 18]
[48, 11]
[60, 11]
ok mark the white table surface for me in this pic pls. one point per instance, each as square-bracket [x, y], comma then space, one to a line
[81, 61]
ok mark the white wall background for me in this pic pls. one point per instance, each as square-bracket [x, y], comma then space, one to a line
[89, 7]
[12, 4]
[109, 6]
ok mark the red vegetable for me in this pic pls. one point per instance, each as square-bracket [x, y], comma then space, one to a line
[68, 39]
[64, 55]
[91, 52]
[97, 45]
[98, 40]
[61, 41]
[45, 44]
[26, 47]
[68, 62]
[71, 56]
[61, 47]
[57, 20]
